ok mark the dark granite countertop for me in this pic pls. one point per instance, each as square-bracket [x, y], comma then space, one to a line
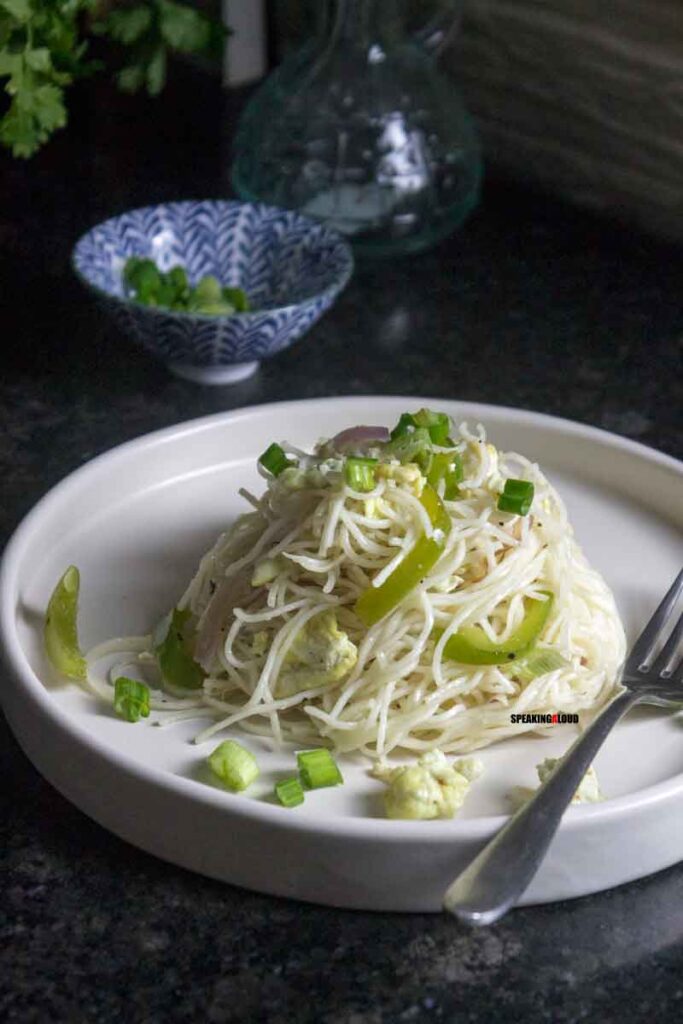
[533, 304]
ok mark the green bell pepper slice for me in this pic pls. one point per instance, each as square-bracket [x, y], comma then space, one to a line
[174, 654]
[61, 631]
[376, 602]
[471, 646]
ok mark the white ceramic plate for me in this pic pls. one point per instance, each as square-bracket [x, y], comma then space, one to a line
[136, 521]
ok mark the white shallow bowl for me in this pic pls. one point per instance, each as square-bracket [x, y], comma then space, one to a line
[136, 521]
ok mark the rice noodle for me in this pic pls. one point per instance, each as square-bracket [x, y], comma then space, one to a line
[327, 544]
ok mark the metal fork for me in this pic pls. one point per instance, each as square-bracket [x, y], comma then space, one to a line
[498, 876]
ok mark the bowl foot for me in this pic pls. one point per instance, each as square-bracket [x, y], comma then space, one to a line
[214, 374]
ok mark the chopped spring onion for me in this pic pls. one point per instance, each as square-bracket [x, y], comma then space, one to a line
[405, 425]
[274, 459]
[360, 473]
[146, 283]
[517, 497]
[537, 663]
[289, 792]
[409, 447]
[131, 699]
[446, 466]
[234, 765]
[318, 768]
[61, 632]
[237, 297]
[437, 425]
[519, 488]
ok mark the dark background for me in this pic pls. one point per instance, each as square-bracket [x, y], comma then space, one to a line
[533, 304]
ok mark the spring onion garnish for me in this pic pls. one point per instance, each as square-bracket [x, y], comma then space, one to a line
[519, 488]
[405, 425]
[360, 473]
[318, 768]
[446, 466]
[437, 425]
[234, 765]
[409, 447]
[274, 459]
[537, 663]
[517, 497]
[131, 699]
[289, 792]
[61, 632]
[147, 284]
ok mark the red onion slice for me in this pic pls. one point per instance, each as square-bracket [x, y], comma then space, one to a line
[359, 437]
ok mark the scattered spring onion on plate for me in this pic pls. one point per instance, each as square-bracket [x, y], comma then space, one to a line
[234, 765]
[131, 699]
[318, 768]
[289, 792]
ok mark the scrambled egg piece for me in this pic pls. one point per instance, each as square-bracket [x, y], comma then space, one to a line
[494, 460]
[409, 474]
[373, 508]
[430, 788]
[293, 479]
[588, 791]
[321, 653]
[259, 644]
[589, 788]
[296, 478]
[266, 571]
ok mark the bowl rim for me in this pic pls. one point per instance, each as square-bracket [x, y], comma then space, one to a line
[331, 291]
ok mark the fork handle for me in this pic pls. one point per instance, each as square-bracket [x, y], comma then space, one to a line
[498, 876]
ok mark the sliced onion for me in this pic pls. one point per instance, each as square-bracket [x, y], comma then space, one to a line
[231, 593]
[360, 436]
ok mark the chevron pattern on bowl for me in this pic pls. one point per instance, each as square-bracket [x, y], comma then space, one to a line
[291, 268]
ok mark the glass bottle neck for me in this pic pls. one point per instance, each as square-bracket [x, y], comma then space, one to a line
[361, 24]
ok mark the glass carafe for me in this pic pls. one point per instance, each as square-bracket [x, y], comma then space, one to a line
[363, 130]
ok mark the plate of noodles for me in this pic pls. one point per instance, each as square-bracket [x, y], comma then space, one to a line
[320, 649]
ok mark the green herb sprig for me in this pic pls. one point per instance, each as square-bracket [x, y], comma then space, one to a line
[151, 29]
[43, 49]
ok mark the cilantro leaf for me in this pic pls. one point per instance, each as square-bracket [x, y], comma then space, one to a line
[130, 78]
[18, 132]
[129, 24]
[43, 46]
[183, 28]
[47, 106]
[10, 64]
[20, 10]
[155, 76]
[39, 59]
[151, 29]
[33, 115]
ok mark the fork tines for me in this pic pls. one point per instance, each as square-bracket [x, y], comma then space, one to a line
[640, 658]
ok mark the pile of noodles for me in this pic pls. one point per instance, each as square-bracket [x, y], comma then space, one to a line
[319, 545]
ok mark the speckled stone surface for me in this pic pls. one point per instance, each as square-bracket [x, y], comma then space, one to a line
[534, 305]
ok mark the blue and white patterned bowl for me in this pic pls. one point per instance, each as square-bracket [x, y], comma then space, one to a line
[291, 268]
